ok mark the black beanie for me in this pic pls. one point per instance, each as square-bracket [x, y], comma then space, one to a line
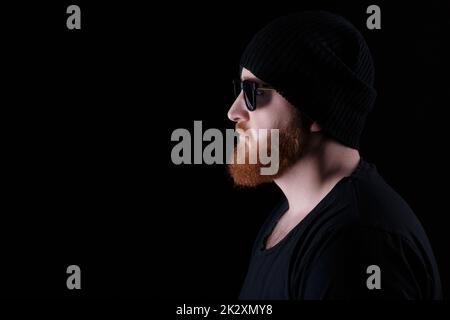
[320, 63]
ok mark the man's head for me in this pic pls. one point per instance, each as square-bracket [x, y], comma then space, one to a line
[321, 74]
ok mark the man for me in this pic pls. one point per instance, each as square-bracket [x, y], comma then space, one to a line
[341, 232]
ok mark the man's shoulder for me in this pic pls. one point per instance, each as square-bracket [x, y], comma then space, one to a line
[376, 205]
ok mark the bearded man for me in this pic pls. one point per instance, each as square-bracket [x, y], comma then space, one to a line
[341, 232]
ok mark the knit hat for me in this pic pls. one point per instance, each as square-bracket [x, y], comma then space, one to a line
[320, 63]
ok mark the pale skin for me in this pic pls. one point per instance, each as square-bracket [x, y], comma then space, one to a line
[323, 163]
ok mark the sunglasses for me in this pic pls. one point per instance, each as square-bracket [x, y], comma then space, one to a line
[251, 90]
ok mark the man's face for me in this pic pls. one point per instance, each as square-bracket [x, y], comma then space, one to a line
[272, 112]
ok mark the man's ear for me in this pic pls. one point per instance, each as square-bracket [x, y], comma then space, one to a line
[315, 127]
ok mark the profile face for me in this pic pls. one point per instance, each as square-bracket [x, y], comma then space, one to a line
[271, 111]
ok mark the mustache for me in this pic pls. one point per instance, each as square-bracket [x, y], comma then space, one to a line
[241, 126]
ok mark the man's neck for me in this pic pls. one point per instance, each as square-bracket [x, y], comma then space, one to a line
[313, 176]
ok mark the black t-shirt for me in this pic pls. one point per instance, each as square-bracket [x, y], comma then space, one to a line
[362, 222]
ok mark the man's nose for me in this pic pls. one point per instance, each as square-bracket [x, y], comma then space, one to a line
[238, 111]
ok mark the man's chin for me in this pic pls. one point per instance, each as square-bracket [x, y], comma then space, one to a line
[248, 175]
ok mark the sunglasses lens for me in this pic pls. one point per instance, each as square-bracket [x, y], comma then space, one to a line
[249, 94]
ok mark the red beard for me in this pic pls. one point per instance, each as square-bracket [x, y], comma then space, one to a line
[290, 150]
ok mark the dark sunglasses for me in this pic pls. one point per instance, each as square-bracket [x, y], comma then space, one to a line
[251, 90]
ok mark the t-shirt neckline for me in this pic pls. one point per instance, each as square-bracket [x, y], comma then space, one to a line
[284, 206]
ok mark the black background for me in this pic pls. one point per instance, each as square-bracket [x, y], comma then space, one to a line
[87, 177]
